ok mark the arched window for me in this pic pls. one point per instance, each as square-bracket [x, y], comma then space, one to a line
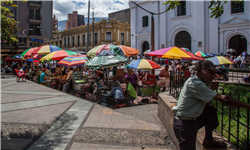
[238, 43]
[145, 46]
[183, 39]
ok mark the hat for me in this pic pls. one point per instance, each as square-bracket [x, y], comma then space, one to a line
[205, 64]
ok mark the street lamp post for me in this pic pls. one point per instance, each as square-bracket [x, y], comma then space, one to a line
[88, 28]
[152, 30]
[93, 20]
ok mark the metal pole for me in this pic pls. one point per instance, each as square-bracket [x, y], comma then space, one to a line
[152, 39]
[93, 19]
[88, 28]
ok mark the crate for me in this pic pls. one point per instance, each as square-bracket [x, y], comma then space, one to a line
[103, 98]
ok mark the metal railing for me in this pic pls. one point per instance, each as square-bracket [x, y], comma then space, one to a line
[237, 75]
[36, 2]
[234, 122]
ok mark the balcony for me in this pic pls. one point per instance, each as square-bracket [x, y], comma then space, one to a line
[35, 19]
[35, 4]
[35, 33]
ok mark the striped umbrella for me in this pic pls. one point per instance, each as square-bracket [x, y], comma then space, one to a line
[58, 55]
[18, 56]
[143, 64]
[105, 61]
[28, 53]
[200, 54]
[147, 51]
[219, 60]
[186, 49]
[73, 60]
[46, 49]
[118, 49]
[173, 53]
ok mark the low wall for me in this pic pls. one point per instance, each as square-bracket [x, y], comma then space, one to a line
[165, 114]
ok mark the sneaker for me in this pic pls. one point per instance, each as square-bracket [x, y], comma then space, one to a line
[214, 144]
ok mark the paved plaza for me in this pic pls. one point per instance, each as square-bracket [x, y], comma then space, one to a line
[36, 117]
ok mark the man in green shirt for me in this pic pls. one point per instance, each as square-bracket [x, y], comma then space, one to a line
[130, 94]
[193, 110]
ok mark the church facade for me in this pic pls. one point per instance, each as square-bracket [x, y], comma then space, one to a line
[190, 26]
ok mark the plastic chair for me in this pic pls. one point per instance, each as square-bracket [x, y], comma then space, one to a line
[120, 105]
[54, 85]
[20, 74]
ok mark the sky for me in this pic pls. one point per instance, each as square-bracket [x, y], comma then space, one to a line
[101, 7]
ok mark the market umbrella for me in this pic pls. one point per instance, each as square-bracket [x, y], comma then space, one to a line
[147, 51]
[23, 54]
[186, 49]
[192, 56]
[105, 61]
[32, 60]
[73, 60]
[143, 64]
[58, 55]
[200, 54]
[28, 53]
[18, 56]
[46, 49]
[173, 53]
[230, 50]
[219, 60]
[118, 49]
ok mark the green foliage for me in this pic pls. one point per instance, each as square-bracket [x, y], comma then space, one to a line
[8, 23]
[56, 32]
[235, 91]
[216, 7]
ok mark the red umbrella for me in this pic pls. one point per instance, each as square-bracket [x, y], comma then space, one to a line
[29, 53]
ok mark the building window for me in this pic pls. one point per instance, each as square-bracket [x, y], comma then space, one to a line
[52, 43]
[22, 42]
[181, 9]
[60, 43]
[34, 30]
[68, 41]
[89, 38]
[237, 7]
[78, 37]
[122, 38]
[83, 39]
[64, 42]
[108, 36]
[73, 41]
[35, 14]
[95, 38]
[144, 21]
[56, 43]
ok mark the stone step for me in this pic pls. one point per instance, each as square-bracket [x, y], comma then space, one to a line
[123, 137]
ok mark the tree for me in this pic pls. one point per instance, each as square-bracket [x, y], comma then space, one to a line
[217, 7]
[8, 23]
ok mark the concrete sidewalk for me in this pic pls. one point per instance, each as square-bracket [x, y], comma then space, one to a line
[37, 117]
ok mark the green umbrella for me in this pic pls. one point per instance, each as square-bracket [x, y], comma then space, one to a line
[105, 61]
[26, 52]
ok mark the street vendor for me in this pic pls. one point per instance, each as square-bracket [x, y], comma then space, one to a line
[164, 73]
[43, 78]
[116, 96]
[132, 77]
[130, 93]
[193, 110]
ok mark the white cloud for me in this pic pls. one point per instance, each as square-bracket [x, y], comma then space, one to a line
[101, 7]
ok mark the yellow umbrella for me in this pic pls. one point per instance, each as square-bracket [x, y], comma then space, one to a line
[170, 52]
